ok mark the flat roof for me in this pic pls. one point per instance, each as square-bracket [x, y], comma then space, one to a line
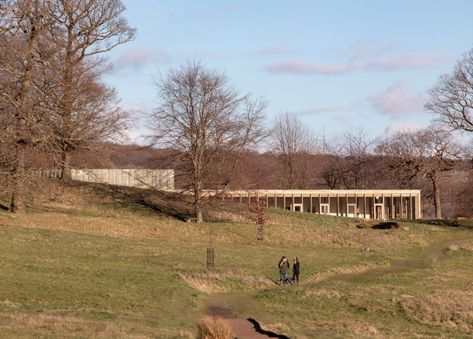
[323, 192]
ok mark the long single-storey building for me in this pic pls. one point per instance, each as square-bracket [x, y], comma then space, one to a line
[368, 204]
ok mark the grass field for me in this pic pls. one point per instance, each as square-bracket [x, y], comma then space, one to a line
[98, 268]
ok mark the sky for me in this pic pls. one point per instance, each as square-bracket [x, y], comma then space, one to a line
[337, 65]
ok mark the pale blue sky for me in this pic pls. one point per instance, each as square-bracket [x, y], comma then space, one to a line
[336, 64]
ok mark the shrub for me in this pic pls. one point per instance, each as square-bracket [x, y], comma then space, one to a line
[213, 328]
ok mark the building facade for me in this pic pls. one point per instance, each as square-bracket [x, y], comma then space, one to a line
[366, 204]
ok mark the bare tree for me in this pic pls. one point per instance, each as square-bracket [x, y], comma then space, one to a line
[203, 117]
[452, 97]
[292, 142]
[426, 153]
[24, 51]
[83, 109]
[348, 158]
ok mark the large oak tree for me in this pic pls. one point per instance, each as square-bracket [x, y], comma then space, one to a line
[203, 117]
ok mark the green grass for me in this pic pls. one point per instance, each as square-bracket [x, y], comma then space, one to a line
[106, 271]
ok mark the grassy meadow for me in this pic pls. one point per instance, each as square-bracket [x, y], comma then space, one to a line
[88, 264]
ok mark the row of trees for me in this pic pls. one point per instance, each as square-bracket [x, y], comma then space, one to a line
[52, 98]
[211, 127]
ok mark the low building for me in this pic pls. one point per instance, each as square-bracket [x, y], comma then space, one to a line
[367, 204]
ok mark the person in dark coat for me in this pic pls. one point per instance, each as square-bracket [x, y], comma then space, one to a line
[283, 268]
[296, 270]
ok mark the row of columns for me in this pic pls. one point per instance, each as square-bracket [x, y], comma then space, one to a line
[409, 199]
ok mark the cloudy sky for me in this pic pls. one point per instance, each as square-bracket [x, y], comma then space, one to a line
[337, 65]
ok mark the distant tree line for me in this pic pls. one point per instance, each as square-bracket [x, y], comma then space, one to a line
[55, 111]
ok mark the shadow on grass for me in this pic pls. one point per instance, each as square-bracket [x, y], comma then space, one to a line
[269, 334]
[163, 203]
[464, 223]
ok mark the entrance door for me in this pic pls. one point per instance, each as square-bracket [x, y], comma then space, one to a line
[378, 211]
[324, 209]
[297, 207]
[352, 210]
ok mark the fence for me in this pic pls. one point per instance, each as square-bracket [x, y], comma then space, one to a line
[142, 178]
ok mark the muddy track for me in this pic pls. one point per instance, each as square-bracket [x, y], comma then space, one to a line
[242, 328]
[251, 329]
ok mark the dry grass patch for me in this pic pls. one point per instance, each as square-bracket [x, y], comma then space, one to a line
[43, 324]
[322, 293]
[210, 282]
[447, 309]
[340, 271]
[342, 235]
[213, 328]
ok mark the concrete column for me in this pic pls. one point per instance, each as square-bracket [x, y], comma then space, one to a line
[419, 206]
[320, 203]
[382, 210]
[364, 206]
[410, 207]
[310, 204]
[401, 207]
[293, 201]
[346, 205]
[356, 207]
[284, 201]
[338, 203]
[372, 207]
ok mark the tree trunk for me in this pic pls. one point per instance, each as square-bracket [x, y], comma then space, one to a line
[437, 204]
[198, 203]
[65, 165]
[17, 177]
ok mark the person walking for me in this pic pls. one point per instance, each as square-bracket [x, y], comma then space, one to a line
[283, 268]
[296, 270]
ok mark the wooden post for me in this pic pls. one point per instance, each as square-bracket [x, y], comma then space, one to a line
[267, 200]
[293, 201]
[364, 206]
[320, 203]
[393, 215]
[284, 201]
[310, 204]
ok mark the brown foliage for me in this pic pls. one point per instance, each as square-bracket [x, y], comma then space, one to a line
[213, 328]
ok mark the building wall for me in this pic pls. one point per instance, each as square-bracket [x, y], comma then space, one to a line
[142, 178]
[369, 204]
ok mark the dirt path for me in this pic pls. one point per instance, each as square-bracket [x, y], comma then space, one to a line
[241, 328]
[431, 254]
[250, 328]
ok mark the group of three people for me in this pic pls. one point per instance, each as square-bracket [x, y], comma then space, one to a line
[284, 267]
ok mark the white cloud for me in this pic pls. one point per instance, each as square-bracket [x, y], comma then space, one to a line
[398, 99]
[138, 58]
[416, 60]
